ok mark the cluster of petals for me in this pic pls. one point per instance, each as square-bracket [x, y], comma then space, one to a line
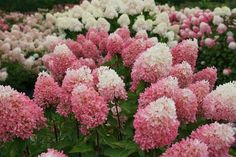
[164, 87]
[110, 86]
[156, 125]
[72, 78]
[46, 91]
[188, 147]
[220, 104]
[52, 153]
[209, 74]
[187, 51]
[19, 115]
[183, 72]
[218, 137]
[59, 61]
[151, 65]
[89, 108]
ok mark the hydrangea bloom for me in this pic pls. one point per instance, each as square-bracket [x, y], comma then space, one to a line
[220, 104]
[52, 153]
[218, 137]
[71, 80]
[186, 105]
[89, 108]
[89, 62]
[187, 148]
[131, 52]
[200, 89]
[164, 87]
[152, 64]
[109, 84]
[58, 61]
[156, 125]
[183, 72]
[208, 74]
[114, 44]
[46, 91]
[187, 51]
[19, 115]
[90, 50]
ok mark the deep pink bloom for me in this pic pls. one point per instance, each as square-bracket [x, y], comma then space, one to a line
[200, 89]
[186, 105]
[89, 62]
[19, 115]
[208, 74]
[89, 108]
[183, 72]
[131, 52]
[90, 50]
[52, 153]
[218, 137]
[187, 148]
[114, 44]
[164, 87]
[156, 125]
[58, 61]
[187, 51]
[46, 91]
[75, 47]
[123, 32]
[72, 78]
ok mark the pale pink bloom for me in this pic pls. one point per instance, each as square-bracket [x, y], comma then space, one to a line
[187, 148]
[221, 28]
[227, 71]
[209, 42]
[220, 104]
[110, 86]
[205, 28]
[52, 153]
[156, 125]
[232, 45]
[218, 138]
[89, 62]
[151, 65]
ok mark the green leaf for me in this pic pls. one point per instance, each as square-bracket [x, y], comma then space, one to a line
[81, 148]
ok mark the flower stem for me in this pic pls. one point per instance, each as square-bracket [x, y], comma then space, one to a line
[119, 122]
[97, 143]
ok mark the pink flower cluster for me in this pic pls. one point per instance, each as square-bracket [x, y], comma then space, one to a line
[52, 153]
[220, 104]
[89, 107]
[46, 91]
[3, 25]
[218, 137]
[188, 147]
[156, 125]
[19, 115]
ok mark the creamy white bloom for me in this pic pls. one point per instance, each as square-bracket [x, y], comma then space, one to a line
[217, 20]
[69, 23]
[160, 29]
[102, 23]
[110, 13]
[123, 20]
[232, 45]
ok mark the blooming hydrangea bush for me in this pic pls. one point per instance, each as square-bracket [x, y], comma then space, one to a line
[121, 78]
